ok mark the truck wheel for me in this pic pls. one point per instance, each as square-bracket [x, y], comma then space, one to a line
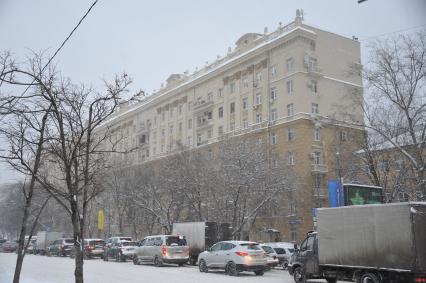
[259, 272]
[231, 269]
[299, 276]
[135, 260]
[331, 280]
[370, 278]
[157, 262]
[203, 266]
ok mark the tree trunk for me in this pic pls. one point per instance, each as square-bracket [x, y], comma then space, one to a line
[78, 244]
[21, 245]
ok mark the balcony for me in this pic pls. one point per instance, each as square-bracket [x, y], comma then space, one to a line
[204, 123]
[202, 105]
[319, 168]
[320, 193]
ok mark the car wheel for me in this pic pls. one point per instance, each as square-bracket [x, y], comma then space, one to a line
[299, 276]
[370, 278]
[157, 261]
[202, 266]
[180, 264]
[135, 260]
[285, 265]
[231, 269]
[122, 258]
[259, 272]
[331, 280]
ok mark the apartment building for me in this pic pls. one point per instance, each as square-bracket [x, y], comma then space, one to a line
[293, 87]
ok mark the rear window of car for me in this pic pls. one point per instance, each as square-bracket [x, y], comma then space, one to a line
[175, 241]
[268, 249]
[97, 243]
[128, 244]
[291, 250]
[279, 251]
[69, 241]
[251, 246]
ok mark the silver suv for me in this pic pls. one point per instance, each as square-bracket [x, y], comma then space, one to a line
[162, 249]
[234, 257]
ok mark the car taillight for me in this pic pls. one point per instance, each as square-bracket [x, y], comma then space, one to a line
[164, 250]
[89, 248]
[420, 279]
[241, 253]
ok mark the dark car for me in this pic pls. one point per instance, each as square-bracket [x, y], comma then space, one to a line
[10, 246]
[61, 247]
[92, 248]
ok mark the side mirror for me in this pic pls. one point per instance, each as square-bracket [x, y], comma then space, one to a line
[209, 249]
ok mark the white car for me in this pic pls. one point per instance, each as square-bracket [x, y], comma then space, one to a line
[284, 251]
[271, 255]
[234, 257]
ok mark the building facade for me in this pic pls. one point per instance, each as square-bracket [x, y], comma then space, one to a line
[290, 87]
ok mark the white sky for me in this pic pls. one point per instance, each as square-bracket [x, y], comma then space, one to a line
[152, 39]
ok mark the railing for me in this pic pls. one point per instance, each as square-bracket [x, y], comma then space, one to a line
[319, 168]
[202, 104]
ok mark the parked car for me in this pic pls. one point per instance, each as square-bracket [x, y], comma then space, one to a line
[60, 247]
[284, 251]
[32, 245]
[91, 248]
[234, 257]
[162, 249]
[111, 244]
[271, 255]
[9, 246]
[121, 251]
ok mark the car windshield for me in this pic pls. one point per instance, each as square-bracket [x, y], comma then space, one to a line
[279, 251]
[69, 241]
[268, 249]
[128, 244]
[175, 241]
[251, 246]
[125, 239]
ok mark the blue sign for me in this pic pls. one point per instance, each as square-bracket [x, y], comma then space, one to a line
[335, 193]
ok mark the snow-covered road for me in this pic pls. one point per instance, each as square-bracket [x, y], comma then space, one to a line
[42, 269]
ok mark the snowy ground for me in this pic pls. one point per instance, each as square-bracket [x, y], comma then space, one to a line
[42, 269]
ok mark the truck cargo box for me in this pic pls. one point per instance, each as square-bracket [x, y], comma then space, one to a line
[391, 236]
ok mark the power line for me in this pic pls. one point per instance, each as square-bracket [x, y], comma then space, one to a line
[63, 43]
[392, 32]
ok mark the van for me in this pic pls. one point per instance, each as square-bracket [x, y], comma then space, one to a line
[161, 249]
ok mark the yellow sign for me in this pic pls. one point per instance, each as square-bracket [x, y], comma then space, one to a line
[101, 219]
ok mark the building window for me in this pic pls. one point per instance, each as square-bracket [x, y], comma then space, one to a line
[314, 87]
[343, 136]
[274, 161]
[290, 134]
[232, 107]
[245, 83]
[258, 118]
[317, 157]
[155, 120]
[290, 64]
[232, 126]
[259, 141]
[163, 133]
[399, 165]
[162, 148]
[274, 138]
[290, 109]
[314, 108]
[180, 109]
[210, 96]
[154, 151]
[384, 165]
[220, 92]
[259, 76]
[290, 158]
[189, 141]
[290, 87]
[245, 103]
[273, 72]
[190, 124]
[163, 116]
[220, 130]
[293, 234]
[199, 139]
[209, 134]
[274, 115]
[316, 134]
[274, 93]
[245, 123]
[312, 64]
[317, 181]
[171, 130]
[171, 112]
[258, 98]
[232, 87]
[189, 106]
[220, 112]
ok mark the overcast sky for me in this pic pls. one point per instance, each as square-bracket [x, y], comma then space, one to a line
[152, 39]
